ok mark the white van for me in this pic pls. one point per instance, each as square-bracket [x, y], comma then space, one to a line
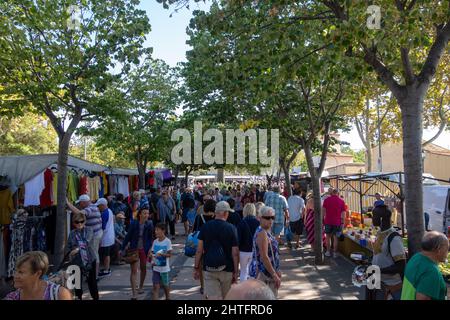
[436, 202]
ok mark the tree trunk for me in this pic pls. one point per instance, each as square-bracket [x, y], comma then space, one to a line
[369, 156]
[318, 225]
[186, 177]
[177, 171]
[287, 178]
[220, 175]
[412, 108]
[61, 215]
[141, 169]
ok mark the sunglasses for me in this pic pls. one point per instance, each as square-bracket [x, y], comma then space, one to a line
[78, 222]
[268, 217]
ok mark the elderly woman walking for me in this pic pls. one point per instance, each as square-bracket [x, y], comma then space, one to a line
[265, 265]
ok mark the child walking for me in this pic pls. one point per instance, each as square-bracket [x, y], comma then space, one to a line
[160, 254]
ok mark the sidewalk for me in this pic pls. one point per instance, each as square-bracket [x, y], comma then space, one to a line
[301, 280]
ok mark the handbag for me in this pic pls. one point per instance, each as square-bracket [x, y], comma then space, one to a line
[131, 256]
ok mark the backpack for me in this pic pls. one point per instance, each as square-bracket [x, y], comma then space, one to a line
[190, 247]
[389, 241]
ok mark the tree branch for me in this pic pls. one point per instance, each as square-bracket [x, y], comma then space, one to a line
[53, 119]
[409, 74]
[383, 72]
[359, 129]
[434, 55]
[326, 141]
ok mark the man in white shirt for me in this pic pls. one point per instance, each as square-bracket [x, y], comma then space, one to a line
[296, 211]
[108, 238]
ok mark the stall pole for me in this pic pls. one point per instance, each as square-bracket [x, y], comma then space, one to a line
[361, 199]
[402, 203]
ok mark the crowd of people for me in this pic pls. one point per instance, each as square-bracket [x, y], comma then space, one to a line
[239, 232]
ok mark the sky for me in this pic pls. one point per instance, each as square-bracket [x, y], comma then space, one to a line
[168, 39]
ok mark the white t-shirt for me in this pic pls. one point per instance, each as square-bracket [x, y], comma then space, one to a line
[162, 264]
[33, 190]
[296, 205]
[108, 234]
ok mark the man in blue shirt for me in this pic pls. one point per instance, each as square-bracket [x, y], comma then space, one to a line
[379, 201]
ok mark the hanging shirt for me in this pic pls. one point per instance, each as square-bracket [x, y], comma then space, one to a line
[123, 186]
[83, 187]
[94, 187]
[105, 183]
[46, 196]
[6, 207]
[33, 190]
[71, 188]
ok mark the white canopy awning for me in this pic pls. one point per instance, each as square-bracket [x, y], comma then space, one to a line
[20, 169]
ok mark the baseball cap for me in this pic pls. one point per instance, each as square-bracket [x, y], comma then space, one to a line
[101, 201]
[223, 206]
[83, 197]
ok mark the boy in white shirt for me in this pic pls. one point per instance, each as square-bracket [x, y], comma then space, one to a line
[160, 254]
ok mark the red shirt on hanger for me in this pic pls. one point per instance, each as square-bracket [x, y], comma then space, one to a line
[45, 198]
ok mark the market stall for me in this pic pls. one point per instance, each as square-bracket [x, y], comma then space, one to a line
[30, 183]
[358, 192]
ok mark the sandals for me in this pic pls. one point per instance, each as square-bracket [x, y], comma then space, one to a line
[140, 291]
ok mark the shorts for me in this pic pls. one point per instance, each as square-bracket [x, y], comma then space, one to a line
[191, 215]
[161, 278]
[106, 251]
[217, 284]
[95, 244]
[277, 228]
[184, 215]
[330, 229]
[297, 227]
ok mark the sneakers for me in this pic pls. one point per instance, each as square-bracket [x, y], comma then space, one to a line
[334, 255]
[327, 254]
[104, 273]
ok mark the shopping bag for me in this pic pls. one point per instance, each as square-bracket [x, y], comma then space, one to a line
[190, 247]
[288, 235]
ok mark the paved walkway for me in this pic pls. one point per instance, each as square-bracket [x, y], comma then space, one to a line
[302, 279]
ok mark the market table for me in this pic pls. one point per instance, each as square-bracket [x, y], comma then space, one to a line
[348, 246]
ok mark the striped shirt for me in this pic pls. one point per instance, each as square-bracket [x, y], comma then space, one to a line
[93, 218]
